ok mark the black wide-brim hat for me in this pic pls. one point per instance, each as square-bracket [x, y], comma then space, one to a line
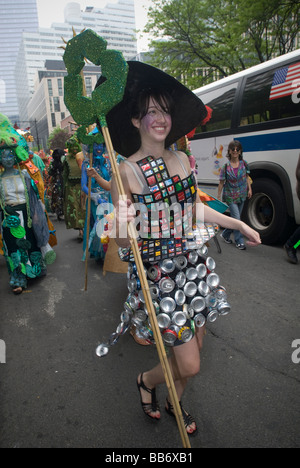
[189, 110]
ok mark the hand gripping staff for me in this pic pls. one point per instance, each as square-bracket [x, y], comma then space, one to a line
[86, 111]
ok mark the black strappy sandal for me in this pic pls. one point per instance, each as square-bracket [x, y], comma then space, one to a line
[148, 407]
[187, 418]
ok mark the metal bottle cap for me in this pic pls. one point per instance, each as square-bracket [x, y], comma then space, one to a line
[163, 320]
[213, 280]
[167, 305]
[179, 318]
[190, 289]
[180, 297]
[201, 270]
[180, 279]
[102, 350]
[212, 316]
[203, 288]
[198, 304]
[199, 320]
[191, 274]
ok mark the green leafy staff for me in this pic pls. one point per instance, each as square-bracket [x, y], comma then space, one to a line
[86, 111]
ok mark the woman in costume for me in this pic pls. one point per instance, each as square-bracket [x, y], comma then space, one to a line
[73, 212]
[100, 174]
[56, 183]
[162, 189]
[24, 227]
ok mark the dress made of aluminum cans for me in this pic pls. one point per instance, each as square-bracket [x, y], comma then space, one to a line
[183, 284]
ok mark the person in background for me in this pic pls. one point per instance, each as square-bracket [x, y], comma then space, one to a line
[235, 183]
[293, 242]
[56, 183]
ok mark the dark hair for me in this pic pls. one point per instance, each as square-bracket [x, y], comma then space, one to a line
[140, 105]
[235, 144]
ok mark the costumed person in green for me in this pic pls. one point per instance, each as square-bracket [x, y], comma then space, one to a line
[101, 202]
[23, 222]
[73, 211]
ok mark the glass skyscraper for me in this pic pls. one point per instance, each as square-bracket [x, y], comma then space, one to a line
[16, 16]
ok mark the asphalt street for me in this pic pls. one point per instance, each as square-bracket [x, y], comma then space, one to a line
[56, 393]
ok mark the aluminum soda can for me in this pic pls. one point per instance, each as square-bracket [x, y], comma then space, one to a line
[211, 300]
[154, 273]
[213, 280]
[185, 334]
[166, 285]
[223, 308]
[167, 266]
[179, 318]
[203, 288]
[122, 328]
[211, 264]
[212, 316]
[163, 320]
[201, 270]
[134, 301]
[180, 279]
[125, 316]
[133, 285]
[140, 315]
[102, 350]
[128, 308]
[198, 304]
[221, 294]
[190, 289]
[180, 297]
[180, 262]
[191, 274]
[154, 290]
[170, 335]
[193, 257]
[167, 305]
[199, 320]
[113, 339]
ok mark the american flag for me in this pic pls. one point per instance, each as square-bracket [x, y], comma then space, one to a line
[283, 81]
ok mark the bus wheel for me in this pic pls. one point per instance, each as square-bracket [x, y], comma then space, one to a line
[266, 211]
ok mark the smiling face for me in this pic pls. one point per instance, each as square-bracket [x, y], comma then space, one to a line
[156, 124]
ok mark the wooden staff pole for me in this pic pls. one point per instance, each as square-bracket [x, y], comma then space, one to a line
[88, 220]
[148, 299]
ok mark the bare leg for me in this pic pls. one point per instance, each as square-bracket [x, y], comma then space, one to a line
[184, 363]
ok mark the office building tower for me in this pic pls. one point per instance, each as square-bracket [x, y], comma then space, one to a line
[17, 17]
[115, 23]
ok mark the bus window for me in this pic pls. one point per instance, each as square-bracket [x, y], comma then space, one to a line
[269, 96]
[221, 102]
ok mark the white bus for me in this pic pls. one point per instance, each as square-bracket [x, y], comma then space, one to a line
[260, 107]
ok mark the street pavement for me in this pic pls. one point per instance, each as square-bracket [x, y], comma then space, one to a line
[56, 393]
